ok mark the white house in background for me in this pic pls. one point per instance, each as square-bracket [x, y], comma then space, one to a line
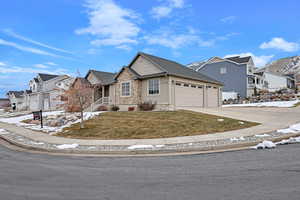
[44, 94]
[273, 82]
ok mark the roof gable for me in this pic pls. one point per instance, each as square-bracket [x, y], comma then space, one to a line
[173, 68]
[47, 77]
[103, 77]
[239, 59]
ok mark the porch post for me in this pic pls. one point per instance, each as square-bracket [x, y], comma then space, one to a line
[103, 90]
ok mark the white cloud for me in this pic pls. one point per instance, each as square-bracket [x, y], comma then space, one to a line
[258, 60]
[229, 19]
[171, 39]
[20, 37]
[27, 49]
[166, 9]
[41, 66]
[16, 69]
[2, 64]
[177, 3]
[111, 24]
[160, 11]
[51, 63]
[280, 44]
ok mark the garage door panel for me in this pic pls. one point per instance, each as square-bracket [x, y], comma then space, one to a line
[188, 96]
[212, 97]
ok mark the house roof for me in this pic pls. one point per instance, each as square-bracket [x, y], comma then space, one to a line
[105, 77]
[46, 77]
[195, 65]
[176, 69]
[16, 93]
[239, 59]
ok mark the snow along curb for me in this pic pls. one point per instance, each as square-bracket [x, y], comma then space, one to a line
[200, 147]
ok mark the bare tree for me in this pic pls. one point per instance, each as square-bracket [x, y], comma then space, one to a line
[79, 97]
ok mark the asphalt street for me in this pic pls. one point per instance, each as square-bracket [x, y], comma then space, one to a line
[249, 174]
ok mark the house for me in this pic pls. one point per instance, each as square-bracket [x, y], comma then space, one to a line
[17, 100]
[150, 78]
[274, 81]
[44, 94]
[4, 103]
[236, 73]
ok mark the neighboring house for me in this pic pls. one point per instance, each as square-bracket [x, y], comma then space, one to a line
[4, 103]
[150, 78]
[236, 73]
[17, 100]
[274, 81]
[44, 94]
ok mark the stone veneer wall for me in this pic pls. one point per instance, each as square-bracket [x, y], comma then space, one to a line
[135, 98]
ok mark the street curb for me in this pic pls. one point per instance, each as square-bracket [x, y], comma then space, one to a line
[143, 153]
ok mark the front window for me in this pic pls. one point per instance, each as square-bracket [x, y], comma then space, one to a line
[126, 89]
[223, 70]
[153, 86]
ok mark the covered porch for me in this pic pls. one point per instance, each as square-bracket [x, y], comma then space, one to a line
[101, 94]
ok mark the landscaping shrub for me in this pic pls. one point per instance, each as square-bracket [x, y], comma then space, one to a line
[131, 108]
[102, 108]
[73, 108]
[115, 108]
[147, 106]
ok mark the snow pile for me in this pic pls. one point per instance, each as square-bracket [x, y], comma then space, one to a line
[237, 139]
[18, 121]
[262, 135]
[265, 145]
[146, 146]
[3, 132]
[291, 140]
[292, 129]
[281, 104]
[67, 146]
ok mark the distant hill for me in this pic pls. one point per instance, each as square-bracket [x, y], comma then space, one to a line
[283, 66]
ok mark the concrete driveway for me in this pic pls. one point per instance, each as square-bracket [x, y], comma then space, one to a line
[271, 118]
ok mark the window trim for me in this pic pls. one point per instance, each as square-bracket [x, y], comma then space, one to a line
[223, 70]
[122, 89]
[158, 87]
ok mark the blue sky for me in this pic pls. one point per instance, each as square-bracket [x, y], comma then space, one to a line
[72, 36]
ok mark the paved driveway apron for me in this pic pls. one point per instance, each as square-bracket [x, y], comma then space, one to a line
[271, 118]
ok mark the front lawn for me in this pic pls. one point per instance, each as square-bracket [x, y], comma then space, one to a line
[145, 125]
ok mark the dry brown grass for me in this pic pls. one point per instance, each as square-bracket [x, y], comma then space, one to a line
[145, 125]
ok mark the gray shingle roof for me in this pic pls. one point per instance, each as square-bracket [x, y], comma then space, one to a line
[106, 78]
[16, 93]
[195, 65]
[176, 69]
[239, 59]
[46, 77]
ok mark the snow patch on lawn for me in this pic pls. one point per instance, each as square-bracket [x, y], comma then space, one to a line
[146, 146]
[292, 129]
[67, 146]
[18, 121]
[281, 104]
[265, 145]
[3, 132]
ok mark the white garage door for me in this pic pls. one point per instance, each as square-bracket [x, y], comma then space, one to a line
[187, 95]
[212, 96]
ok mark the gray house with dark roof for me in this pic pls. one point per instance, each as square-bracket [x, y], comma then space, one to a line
[236, 73]
[151, 78]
